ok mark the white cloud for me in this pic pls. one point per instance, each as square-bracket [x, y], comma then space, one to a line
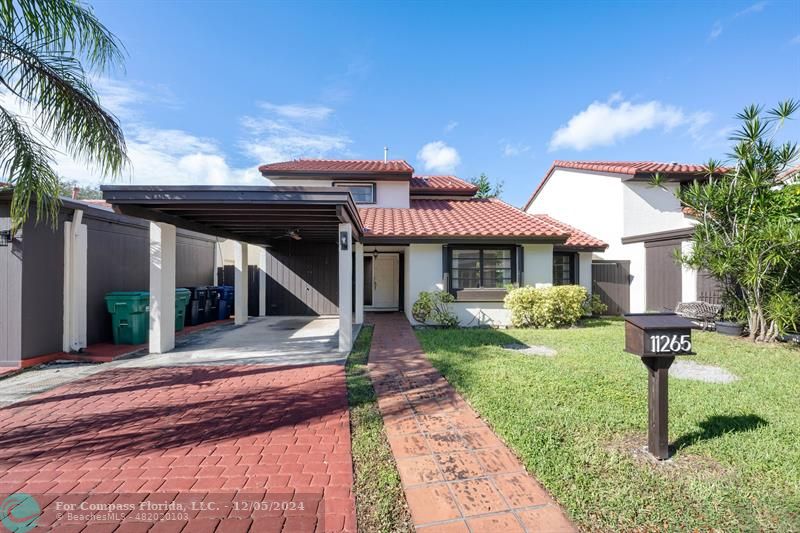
[280, 136]
[514, 149]
[605, 123]
[157, 155]
[437, 156]
[451, 126]
[758, 7]
[716, 31]
[298, 111]
[173, 156]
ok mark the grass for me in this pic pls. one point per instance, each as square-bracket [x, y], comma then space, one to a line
[380, 501]
[579, 422]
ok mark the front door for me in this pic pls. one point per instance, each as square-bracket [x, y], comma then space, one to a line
[386, 281]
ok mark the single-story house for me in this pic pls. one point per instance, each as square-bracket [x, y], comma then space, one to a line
[644, 226]
[344, 236]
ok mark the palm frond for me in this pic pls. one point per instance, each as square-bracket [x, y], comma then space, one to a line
[64, 24]
[27, 164]
[56, 89]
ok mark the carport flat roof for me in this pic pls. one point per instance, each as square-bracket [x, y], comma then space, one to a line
[254, 214]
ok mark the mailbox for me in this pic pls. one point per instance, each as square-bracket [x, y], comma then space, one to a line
[657, 338]
[657, 335]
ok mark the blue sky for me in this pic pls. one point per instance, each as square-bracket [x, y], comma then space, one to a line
[212, 89]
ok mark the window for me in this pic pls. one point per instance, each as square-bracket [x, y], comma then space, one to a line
[480, 268]
[563, 269]
[363, 193]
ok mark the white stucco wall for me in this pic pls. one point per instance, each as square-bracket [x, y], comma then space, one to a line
[610, 209]
[585, 270]
[649, 209]
[538, 264]
[387, 193]
[424, 273]
[591, 202]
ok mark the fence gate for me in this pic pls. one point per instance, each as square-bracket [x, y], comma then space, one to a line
[611, 280]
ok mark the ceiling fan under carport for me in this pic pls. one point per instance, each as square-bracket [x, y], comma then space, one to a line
[293, 234]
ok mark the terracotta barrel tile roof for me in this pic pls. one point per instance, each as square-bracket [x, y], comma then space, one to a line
[636, 169]
[577, 238]
[441, 183]
[456, 218]
[356, 166]
[631, 167]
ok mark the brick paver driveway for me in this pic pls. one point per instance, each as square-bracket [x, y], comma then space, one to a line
[457, 474]
[185, 448]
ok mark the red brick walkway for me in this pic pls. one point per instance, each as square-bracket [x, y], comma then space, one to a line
[457, 475]
[211, 438]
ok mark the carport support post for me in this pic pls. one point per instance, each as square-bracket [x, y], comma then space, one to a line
[345, 287]
[359, 283]
[162, 287]
[240, 279]
[262, 281]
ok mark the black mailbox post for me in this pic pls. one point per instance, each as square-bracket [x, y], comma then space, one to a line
[657, 338]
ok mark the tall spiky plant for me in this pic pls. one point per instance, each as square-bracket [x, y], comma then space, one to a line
[49, 49]
[748, 231]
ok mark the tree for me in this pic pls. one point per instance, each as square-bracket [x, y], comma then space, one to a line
[48, 51]
[485, 189]
[86, 192]
[748, 231]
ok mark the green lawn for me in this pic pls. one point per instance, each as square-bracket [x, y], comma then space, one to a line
[577, 419]
[380, 501]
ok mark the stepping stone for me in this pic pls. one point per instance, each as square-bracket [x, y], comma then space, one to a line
[531, 350]
[697, 372]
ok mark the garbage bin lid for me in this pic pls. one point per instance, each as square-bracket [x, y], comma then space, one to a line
[128, 294]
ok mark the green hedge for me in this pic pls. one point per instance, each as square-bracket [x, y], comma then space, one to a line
[546, 307]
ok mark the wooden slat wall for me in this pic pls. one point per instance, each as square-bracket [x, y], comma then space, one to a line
[302, 279]
[611, 281]
[663, 275]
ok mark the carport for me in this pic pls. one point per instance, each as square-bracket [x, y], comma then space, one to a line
[257, 215]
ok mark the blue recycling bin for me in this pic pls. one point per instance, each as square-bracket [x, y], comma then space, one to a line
[225, 305]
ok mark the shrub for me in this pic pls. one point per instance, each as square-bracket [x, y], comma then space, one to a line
[434, 308]
[594, 306]
[547, 307]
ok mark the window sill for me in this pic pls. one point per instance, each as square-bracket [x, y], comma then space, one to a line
[479, 295]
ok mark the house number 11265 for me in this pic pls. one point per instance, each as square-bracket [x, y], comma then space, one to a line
[670, 343]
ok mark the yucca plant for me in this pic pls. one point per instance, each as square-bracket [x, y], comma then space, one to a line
[748, 231]
[49, 50]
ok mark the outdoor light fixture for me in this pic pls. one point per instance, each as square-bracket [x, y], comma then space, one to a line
[343, 241]
[295, 234]
[5, 237]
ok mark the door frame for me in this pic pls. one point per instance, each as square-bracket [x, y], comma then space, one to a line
[400, 281]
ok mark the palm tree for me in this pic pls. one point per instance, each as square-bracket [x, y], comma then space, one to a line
[49, 49]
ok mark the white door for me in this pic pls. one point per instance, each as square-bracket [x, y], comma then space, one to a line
[386, 281]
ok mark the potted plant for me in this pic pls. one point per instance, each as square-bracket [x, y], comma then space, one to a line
[733, 316]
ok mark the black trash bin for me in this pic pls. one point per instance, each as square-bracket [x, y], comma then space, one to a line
[196, 311]
[214, 294]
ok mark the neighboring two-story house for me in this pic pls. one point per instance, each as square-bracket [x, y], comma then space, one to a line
[644, 227]
[422, 233]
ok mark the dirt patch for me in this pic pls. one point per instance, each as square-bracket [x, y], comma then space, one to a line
[634, 446]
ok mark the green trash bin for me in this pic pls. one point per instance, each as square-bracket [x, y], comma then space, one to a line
[130, 316]
[181, 301]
